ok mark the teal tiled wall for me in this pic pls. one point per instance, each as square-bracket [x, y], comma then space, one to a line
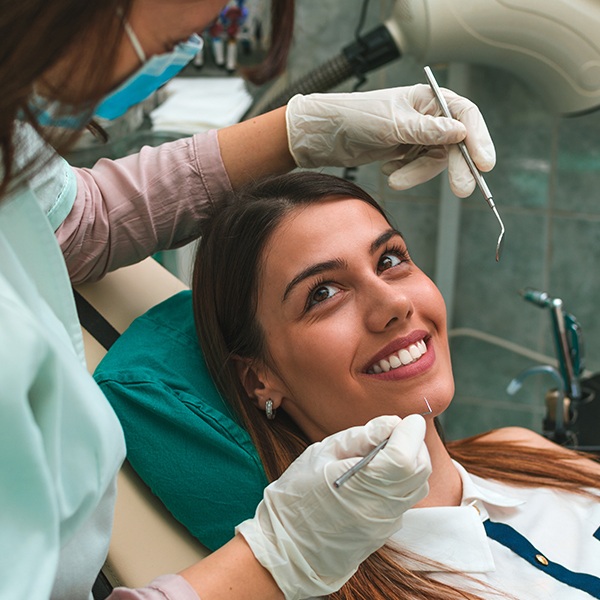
[546, 185]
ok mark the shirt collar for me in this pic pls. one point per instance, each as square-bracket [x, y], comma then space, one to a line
[454, 535]
[479, 490]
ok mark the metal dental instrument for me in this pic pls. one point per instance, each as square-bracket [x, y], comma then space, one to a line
[474, 170]
[363, 462]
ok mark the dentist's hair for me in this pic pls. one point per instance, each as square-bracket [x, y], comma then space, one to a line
[38, 35]
[225, 296]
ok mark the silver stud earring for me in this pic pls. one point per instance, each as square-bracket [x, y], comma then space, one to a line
[269, 409]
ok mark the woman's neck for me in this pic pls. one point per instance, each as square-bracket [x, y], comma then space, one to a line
[445, 484]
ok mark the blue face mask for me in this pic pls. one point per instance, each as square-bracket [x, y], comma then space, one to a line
[153, 73]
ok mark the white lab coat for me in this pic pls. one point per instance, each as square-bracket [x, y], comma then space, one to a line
[61, 445]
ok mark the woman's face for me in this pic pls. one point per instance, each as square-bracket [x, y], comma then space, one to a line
[354, 329]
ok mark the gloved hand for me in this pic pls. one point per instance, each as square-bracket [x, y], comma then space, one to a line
[312, 536]
[402, 126]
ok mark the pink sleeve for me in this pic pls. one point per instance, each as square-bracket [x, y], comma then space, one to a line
[127, 209]
[166, 587]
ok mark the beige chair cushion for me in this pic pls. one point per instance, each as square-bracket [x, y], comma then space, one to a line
[147, 541]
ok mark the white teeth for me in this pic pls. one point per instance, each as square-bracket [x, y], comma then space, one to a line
[415, 351]
[406, 356]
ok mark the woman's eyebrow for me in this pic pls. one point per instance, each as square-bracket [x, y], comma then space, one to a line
[313, 270]
[384, 238]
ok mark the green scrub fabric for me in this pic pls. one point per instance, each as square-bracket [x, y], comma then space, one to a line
[60, 442]
[181, 437]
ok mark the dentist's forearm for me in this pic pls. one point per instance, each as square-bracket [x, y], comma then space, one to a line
[256, 148]
[232, 573]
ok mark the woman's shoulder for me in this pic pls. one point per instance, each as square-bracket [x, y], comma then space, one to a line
[520, 435]
[531, 439]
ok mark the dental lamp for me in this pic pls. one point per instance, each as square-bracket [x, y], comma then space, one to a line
[553, 46]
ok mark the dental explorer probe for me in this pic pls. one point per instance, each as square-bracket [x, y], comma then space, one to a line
[365, 460]
[485, 190]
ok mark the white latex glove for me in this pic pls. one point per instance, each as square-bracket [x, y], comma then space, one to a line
[312, 536]
[402, 126]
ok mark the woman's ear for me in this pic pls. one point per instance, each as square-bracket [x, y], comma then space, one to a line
[259, 382]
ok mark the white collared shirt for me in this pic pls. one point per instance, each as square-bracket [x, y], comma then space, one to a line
[564, 528]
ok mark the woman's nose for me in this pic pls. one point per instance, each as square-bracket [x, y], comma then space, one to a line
[387, 305]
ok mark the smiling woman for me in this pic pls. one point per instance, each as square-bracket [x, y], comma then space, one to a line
[307, 303]
[338, 281]
[317, 263]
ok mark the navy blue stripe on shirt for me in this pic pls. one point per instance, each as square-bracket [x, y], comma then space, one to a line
[597, 533]
[512, 539]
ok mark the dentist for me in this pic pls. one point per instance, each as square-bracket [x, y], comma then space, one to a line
[62, 62]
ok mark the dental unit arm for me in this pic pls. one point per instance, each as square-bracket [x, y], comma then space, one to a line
[568, 341]
[551, 45]
[572, 408]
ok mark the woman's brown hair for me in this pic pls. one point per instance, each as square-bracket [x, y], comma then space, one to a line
[225, 295]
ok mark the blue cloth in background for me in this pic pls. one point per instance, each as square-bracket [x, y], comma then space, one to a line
[181, 437]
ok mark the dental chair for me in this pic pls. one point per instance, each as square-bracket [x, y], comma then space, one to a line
[147, 541]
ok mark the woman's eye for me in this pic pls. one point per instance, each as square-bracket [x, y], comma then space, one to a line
[321, 293]
[387, 261]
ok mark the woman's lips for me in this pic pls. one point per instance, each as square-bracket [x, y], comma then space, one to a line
[409, 361]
